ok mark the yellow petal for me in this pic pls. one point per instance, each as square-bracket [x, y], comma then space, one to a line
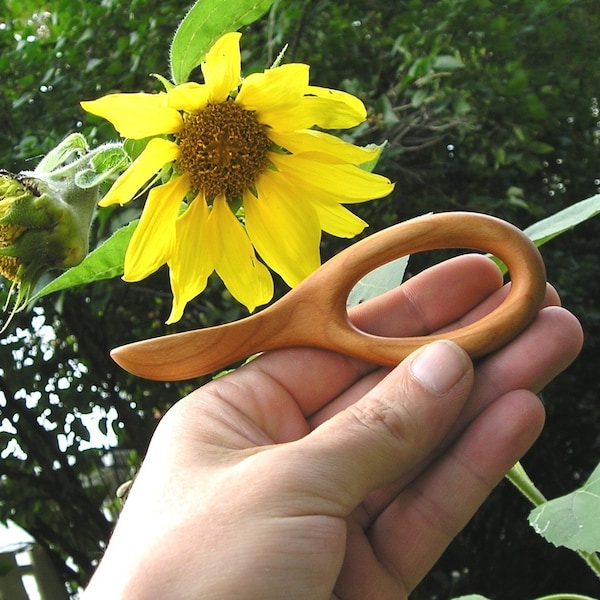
[190, 264]
[222, 69]
[247, 279]
[311, 112]
[321, 146]
[337, 220]
[345, 183]
[152, 241]
[334, 218]
[283, 99]
[283, 228]
[137, 116]
[281, 88]
[157, 153]
[189, 96]
[337, 99]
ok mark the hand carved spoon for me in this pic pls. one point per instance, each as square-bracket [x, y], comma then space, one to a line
[314, 313]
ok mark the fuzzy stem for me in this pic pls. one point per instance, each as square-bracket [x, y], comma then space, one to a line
[69, 170]
[519, 478]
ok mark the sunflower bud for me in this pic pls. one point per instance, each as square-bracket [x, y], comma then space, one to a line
[11, 191]
[44, 225]
[46, 214]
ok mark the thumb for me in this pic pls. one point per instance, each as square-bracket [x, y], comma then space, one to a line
[389, 430]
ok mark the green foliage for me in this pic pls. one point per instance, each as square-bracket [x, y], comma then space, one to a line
[78, 50]
[378, 281]
[485, 106]
[207, 21]
[572, 520]
[547, 229]
[105, 262]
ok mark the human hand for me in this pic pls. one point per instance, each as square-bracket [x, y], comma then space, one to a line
[310, 475]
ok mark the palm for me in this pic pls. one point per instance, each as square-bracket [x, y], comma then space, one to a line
[262, 485]
[283, 400]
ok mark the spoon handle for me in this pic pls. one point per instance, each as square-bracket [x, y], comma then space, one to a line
[193, 353]
[314, 313]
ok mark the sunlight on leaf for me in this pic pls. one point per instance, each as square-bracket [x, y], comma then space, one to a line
[207, 21]
[546, 229]
[572, 520]
[378, 281]
[562, 221]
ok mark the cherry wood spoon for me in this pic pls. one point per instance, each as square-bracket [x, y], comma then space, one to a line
[314, 313]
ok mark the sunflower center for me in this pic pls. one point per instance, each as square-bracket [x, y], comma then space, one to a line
[223, 148]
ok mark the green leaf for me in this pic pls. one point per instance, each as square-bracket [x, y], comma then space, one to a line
[73, 145]
[566, 597]
[371, 164]
[562, 221]
[540, 147]
[546, 229]
[109, 158]
[134, 148]
[419, 98]
[206, 22]
[471, 597]
[572, 520]
[103, 165]
[105, 262]
[447, 62]
[378, 281]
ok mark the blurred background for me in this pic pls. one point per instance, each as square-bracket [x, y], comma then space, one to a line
[485, 106]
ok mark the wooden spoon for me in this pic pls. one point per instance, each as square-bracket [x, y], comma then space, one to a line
[314, 313]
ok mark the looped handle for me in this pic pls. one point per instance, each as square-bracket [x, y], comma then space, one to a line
[314, 313]
[471, 231]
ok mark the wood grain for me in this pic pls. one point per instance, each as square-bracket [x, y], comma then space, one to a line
[314, 313]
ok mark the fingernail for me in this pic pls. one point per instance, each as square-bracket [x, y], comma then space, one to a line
[439, 366]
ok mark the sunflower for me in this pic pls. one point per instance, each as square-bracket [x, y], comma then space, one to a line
[242, 157]
[44, 225]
